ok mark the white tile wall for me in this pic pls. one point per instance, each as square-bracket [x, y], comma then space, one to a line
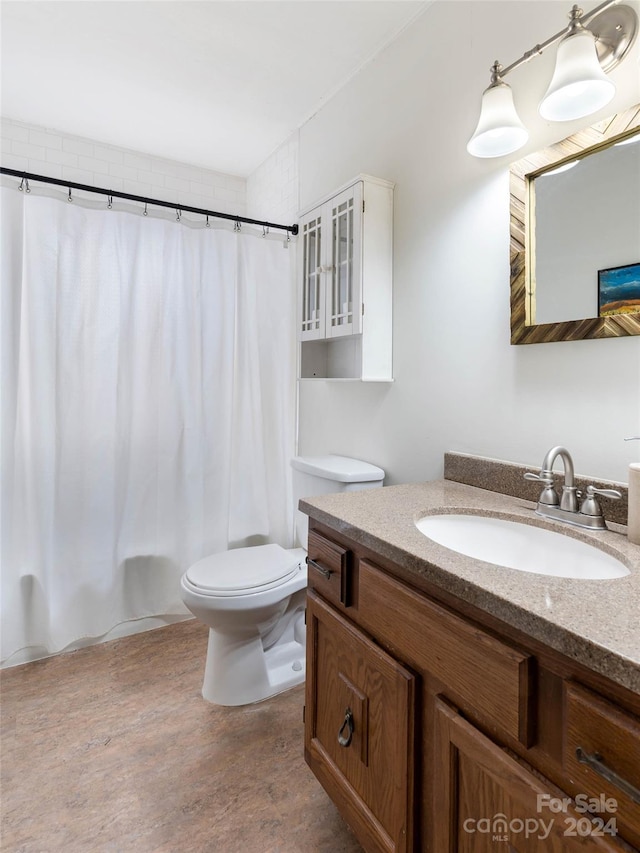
[272, 190]
[58, 155]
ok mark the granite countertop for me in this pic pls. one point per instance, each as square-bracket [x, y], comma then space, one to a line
[595, 622]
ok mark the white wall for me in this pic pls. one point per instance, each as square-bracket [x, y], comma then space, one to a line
[48, 152]
[272, 190]
[459, 384]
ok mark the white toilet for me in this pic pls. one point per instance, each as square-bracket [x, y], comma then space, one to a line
[253, 599]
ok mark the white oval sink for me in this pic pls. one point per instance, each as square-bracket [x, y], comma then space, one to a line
[521, 546]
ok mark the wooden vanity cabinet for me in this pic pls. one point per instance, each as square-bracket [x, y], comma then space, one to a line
[435, 728]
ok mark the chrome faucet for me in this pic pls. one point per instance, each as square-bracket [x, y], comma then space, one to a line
[567, 508]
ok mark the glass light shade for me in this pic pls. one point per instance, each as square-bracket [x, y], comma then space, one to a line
[630, 140]
[579, 86]
[499, 129]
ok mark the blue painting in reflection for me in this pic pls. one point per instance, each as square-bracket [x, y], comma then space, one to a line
[619, 290]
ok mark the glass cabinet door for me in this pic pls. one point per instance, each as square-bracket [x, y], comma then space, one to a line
[344, 292]
[312, 321]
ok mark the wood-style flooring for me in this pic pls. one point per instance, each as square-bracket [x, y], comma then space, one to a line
[113, 749]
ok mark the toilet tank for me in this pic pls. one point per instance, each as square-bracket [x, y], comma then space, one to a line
[323, 475]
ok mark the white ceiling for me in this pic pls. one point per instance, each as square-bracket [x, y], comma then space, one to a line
[215, 83]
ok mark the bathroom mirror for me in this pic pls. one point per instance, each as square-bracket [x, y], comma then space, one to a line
[575, 236]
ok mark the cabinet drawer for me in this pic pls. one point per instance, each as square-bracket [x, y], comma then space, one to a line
[329, 569]
[359, 729]
[607, 739]
[482, 673]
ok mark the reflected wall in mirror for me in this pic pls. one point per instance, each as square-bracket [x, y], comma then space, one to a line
[575, 212]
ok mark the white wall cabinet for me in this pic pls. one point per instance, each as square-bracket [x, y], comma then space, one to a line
[345, 275]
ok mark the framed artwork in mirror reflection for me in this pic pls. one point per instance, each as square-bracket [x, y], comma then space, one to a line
[619, 290]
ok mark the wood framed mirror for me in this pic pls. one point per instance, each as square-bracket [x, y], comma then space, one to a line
[565, 240]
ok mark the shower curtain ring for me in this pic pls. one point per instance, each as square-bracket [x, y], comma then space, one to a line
[178, 214]
[237, 226]
[207, 223]
[110, 202]
[27, 188]
[69, 197]
[21, 187]
[144, 212]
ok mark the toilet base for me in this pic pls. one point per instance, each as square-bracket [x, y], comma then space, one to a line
[239, 671]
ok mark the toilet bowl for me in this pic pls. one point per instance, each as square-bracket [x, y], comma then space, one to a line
[253, 599]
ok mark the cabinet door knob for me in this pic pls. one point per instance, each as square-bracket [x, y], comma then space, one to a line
[347, 726]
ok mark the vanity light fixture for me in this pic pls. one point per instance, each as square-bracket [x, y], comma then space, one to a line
[579, 86]
[499, 129]
[591, 45]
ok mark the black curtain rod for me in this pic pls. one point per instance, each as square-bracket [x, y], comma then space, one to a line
[28, 176]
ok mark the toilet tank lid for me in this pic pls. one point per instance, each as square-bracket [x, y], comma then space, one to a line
[342, 469]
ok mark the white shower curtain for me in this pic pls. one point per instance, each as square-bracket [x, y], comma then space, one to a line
[148, 418]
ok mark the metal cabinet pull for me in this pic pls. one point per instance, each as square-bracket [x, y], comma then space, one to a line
[345, 739]
[596, 763]
[319, 568]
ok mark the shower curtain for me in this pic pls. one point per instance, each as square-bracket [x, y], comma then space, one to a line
[148, 382]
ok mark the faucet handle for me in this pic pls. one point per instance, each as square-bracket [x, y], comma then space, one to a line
[548, 496]
[614, 494]
[540, 478]
[590, 505]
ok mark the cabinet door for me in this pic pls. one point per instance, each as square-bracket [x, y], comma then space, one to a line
[312, 298]
[359, 729]
[344, 265]
[485, 800]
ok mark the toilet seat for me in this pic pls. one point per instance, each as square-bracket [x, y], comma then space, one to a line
[243, 571]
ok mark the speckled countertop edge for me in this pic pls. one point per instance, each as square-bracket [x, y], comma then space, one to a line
[594, 622]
